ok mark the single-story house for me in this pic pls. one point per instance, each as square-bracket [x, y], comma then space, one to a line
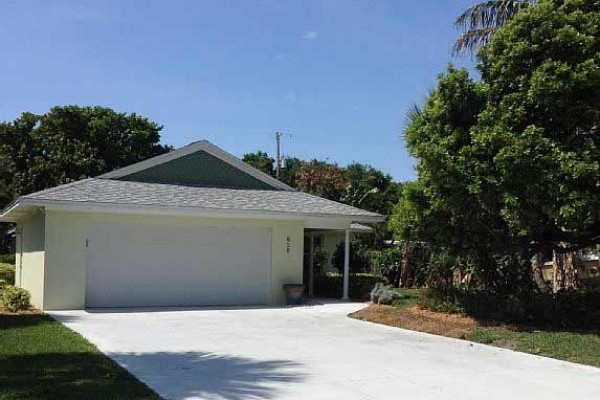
[193, 227]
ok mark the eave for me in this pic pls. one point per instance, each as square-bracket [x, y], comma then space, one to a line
[24, 207]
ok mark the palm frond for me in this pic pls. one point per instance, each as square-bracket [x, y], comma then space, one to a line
[470, 41]
[413, 112]
[479, 22]
[490, 14]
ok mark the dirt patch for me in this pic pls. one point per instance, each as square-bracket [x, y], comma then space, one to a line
[416, 319]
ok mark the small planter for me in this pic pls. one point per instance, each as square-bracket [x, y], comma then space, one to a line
[293, 294]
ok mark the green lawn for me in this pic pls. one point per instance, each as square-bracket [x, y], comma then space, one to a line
[579, 347]
[42, 359]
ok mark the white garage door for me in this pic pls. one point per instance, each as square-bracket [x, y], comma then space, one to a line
[183, 265]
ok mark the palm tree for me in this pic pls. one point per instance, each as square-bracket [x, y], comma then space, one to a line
[480, 22]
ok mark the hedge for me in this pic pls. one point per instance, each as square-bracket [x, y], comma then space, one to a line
[360, 285]
[565, 309]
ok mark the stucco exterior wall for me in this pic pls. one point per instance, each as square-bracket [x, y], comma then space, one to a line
[66, 252]
[29, 262]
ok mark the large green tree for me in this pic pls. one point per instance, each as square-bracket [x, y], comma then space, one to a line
[71, 143]
[442, 208]
[513, 161]
[539, 130]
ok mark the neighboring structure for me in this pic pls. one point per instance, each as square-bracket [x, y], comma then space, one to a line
[588, 270]
[193, 227]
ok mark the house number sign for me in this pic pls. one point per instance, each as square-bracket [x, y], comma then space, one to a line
[288, 245]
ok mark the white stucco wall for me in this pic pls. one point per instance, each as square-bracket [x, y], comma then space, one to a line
[29, 262]
[66, 252]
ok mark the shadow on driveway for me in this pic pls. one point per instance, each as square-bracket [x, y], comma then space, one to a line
[205, 375]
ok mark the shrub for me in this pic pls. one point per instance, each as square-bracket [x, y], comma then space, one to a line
[376, 291]
[388, 262]
[16, 299]
[382, 294]
[565, 309]
[320, 257]
[7, 259]
[359, 257]
[436, 299]
[332, 285]
[7, 273]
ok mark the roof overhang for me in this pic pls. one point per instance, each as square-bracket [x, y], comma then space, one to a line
[354, 228]
[25, 207]
[17, 211]
[358, 228]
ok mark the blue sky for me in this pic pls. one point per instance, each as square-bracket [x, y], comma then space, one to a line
[338, 76]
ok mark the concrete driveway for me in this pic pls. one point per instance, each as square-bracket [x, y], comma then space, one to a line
[316, 352]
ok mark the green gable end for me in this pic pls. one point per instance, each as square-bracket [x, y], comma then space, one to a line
[199, 169]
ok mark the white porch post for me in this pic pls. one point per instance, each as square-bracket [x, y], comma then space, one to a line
[311, 263]
[346, 296]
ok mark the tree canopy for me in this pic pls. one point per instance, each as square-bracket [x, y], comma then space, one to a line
[442, 207]
[512, 161]
[321, 179]
[261, 161]
[70, 143]
[539, 129]
[357, 184]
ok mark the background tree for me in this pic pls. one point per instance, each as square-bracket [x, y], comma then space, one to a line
[321, 179]
[358, 185]
[409, 223]
[265, 163]
[289, 173]
[71, 143]
[369, 188]
[261, 161]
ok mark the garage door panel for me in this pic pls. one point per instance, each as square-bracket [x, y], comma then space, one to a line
[151, 265]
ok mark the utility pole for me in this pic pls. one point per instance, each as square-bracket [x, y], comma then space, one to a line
[278, 160]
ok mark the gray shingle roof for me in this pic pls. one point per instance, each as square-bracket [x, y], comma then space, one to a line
[109, 191]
